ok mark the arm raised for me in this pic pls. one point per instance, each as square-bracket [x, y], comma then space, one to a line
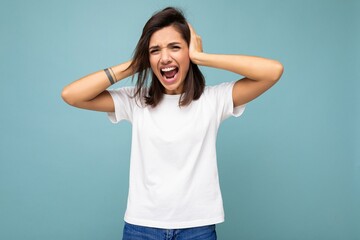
[89, 92]
[259, 73]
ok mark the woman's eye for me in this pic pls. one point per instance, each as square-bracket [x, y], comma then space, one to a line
[154, 51]
[176, 47]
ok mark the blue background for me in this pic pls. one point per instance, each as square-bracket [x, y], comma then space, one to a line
[289, 167]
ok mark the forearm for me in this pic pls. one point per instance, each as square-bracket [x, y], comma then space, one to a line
[90, 86]
[254, 68]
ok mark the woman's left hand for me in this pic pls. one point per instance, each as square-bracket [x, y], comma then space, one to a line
[195, 46]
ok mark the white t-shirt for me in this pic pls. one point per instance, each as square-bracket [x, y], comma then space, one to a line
[173, 169]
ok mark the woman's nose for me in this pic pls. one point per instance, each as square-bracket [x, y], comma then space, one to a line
[165, 57]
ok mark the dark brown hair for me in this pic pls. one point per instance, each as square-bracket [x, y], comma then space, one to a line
[194, 82]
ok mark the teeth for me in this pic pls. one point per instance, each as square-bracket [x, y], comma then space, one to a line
[167, 69]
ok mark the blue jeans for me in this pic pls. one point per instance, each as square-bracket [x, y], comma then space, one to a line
[135, 232]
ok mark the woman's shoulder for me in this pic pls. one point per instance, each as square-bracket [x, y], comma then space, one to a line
[124, 91]
[219, 88]
[125, 94]
[127, 89]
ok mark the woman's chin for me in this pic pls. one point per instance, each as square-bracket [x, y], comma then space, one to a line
[172, 90]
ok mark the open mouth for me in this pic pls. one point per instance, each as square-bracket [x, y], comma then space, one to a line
[169, 73]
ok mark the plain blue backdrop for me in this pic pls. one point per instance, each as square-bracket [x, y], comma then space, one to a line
[289, 167]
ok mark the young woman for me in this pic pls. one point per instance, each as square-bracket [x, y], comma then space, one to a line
[174, 190]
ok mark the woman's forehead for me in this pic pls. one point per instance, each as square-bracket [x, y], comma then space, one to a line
[165, 36]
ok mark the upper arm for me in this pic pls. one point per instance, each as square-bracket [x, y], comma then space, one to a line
[102, 102]
[246, 89]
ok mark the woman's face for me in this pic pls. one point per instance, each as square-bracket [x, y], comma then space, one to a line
[169, 58]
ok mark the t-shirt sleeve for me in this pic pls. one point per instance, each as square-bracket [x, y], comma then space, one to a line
[222, 94]
[124, 104]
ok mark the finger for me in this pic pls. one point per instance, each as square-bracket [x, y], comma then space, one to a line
[200, 43]
[189, 26]
[191, 29]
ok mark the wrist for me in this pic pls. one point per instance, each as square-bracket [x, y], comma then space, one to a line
[198, 58]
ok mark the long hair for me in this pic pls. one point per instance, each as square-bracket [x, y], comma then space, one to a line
[194, 82]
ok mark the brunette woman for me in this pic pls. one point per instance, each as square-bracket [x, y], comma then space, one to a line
[174, 189]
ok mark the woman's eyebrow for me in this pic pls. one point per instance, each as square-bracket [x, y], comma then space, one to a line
[169, 45]
[173, 43]
[155, 46]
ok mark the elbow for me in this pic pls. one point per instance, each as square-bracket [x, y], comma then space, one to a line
[277, 71]
[68, 97]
